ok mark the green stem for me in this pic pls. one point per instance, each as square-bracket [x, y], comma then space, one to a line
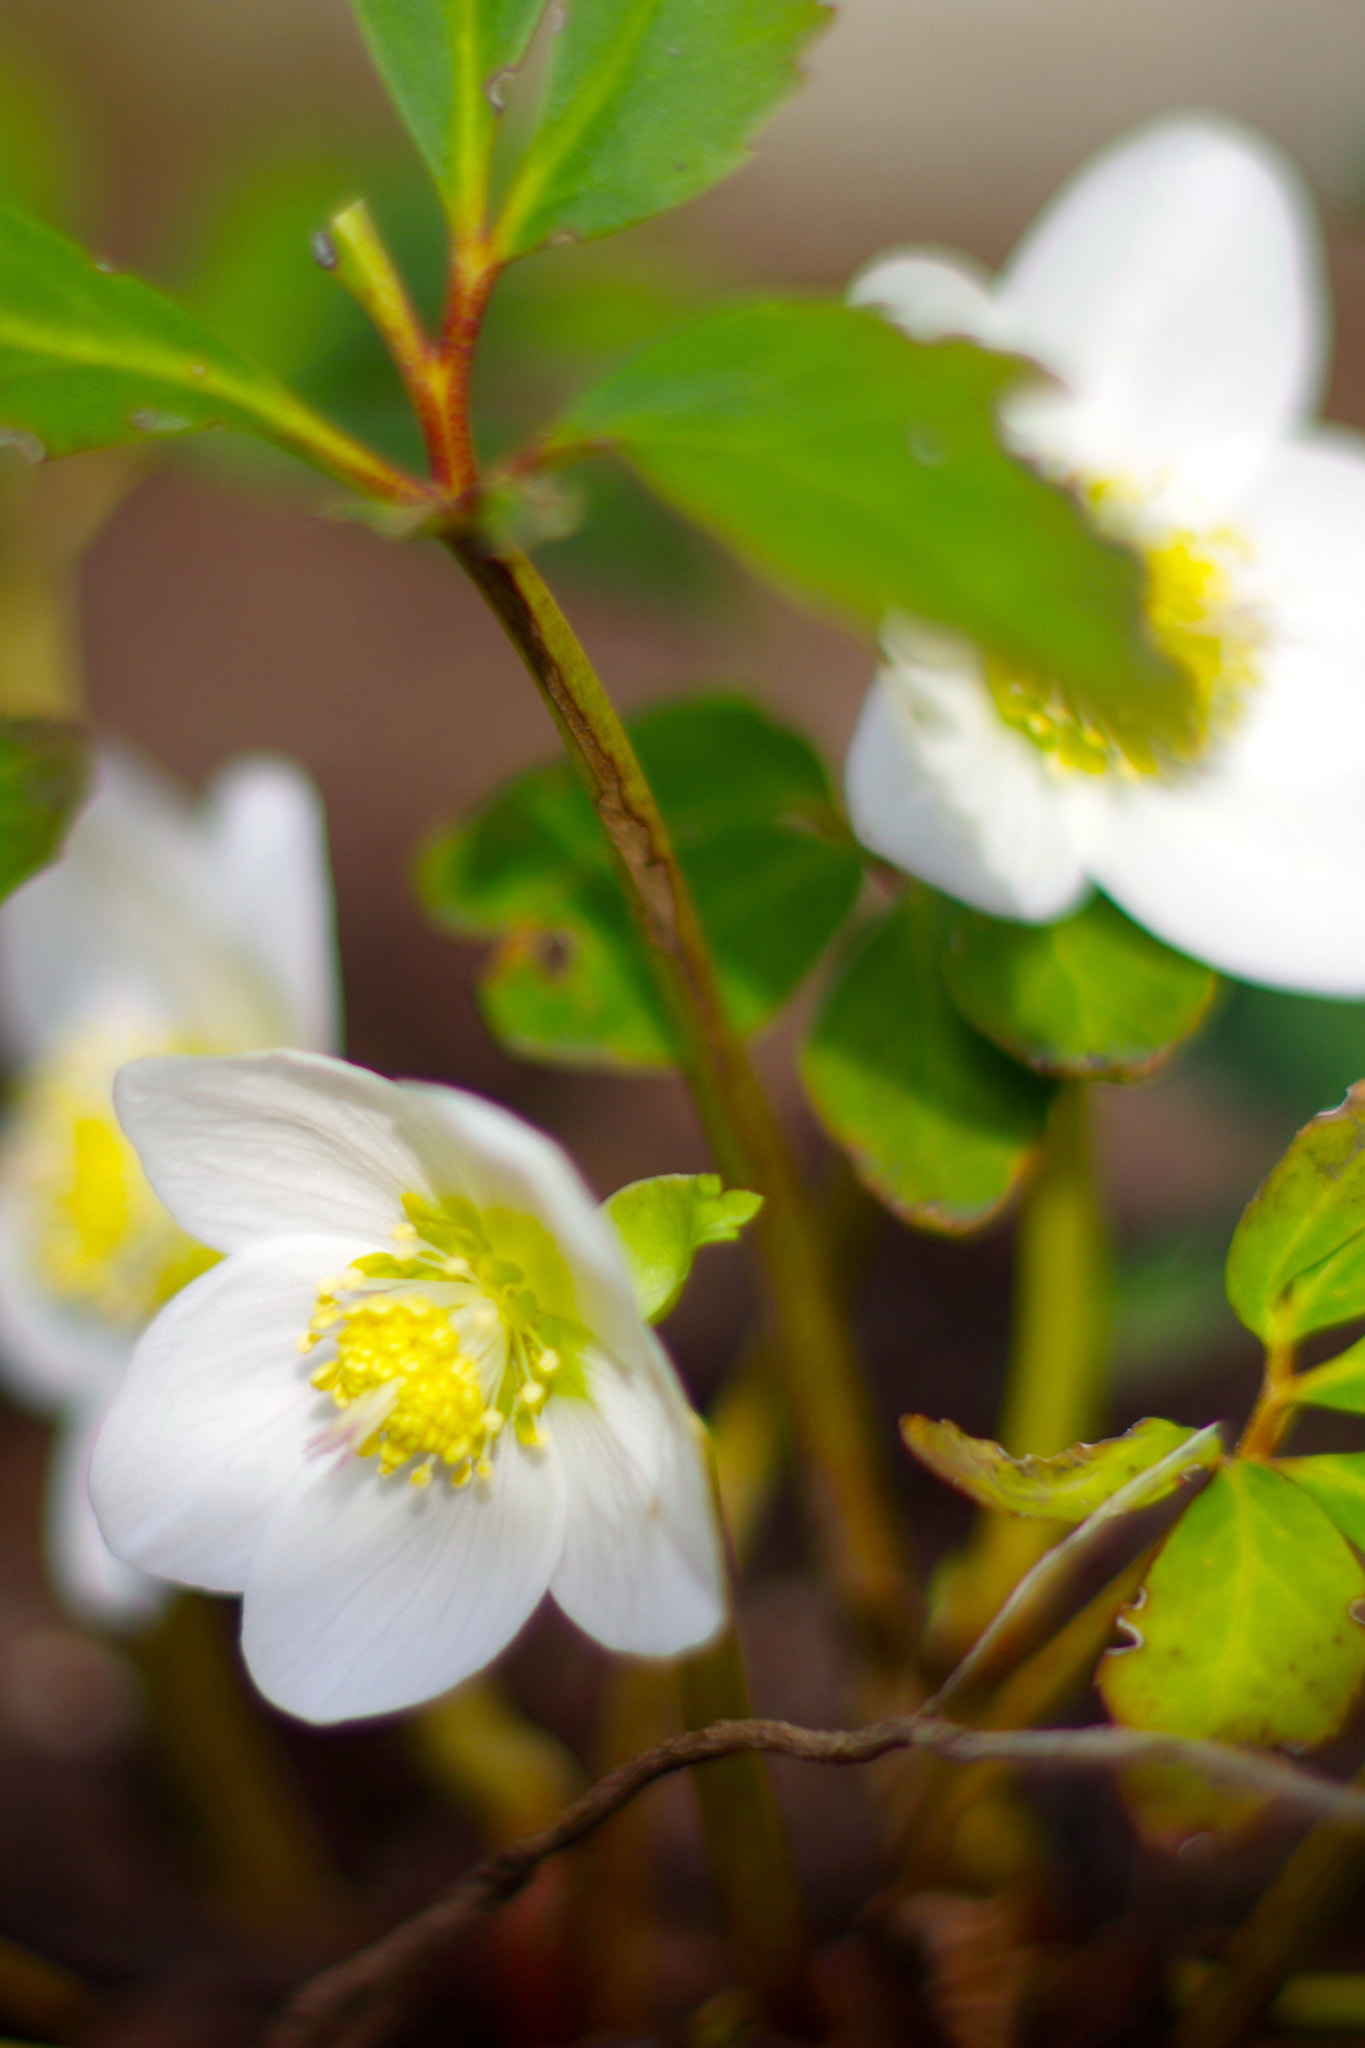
[746, 1843]
[1055, 1380]
[858, 1526]
[1283, 1928]
[225, 1764]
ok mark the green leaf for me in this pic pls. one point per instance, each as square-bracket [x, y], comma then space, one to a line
[663, 1224]
[89, 359]
[937, 1122]
[1094, 997]
[43, 770]
[773, 872]
[834, 453]
[1336, 1481]
[1064, 1488]
[1297, 1260]
[1339, 1384]
[648, 103]
[445, 62]
[1245, 1630]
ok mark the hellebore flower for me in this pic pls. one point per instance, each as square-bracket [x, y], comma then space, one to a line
[415, 1395]
[163, 926]
[1174, 293]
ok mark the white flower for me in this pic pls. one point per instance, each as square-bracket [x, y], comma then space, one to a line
[1174, 291]
[162, 926]
[416, 1393]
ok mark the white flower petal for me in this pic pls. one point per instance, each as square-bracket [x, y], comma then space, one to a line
[497, 1160]
[642, 1567]
[244, 1149]
[1176, 287]
[128, 918]
[94, 1585]
[366, 1596]
[267, 846]
[48, 1352]
[930, 294]
[939, 785]
[215, 1415]
[1302, 724]
[1305, 527]
[1268, 886]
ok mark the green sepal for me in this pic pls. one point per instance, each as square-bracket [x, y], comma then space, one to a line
[93, 359]
[1065, 1488]
[1297, 1259]
[1245, 1629]
[648, 103]
[835, 454]
[771, 867]
[937, 1122]
[1094, 997]
[44, 769]
[663, 1224]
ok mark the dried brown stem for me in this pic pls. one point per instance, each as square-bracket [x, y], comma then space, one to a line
[355, 2000]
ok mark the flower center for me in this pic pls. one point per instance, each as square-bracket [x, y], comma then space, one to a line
[433, 1353]
[1196, 620]
[101, 1241]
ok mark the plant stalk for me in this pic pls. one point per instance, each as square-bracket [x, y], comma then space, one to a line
[1284, 1927]
[746, 1844]
[858, 1527]
[224, 1762]
[1055, 1379]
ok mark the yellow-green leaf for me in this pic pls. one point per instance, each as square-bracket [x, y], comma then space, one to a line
[663, 1223]
[1297, 1259]
[92, 359]
[1094, 996]
[1245, 1630]
[1336, 1481]
[647, 103]
[1064, 1488]
[1339, 1384]
[938, 1124]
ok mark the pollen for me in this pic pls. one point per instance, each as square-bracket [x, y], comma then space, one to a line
[431, 1351]
[402, 1356]
[1195, 617]
[100, 1240]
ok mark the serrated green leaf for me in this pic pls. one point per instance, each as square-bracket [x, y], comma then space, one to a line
[774, 875]
[1245, 1630]
[648, 103]
[43, 769]
[1297, 1259]
[936, 1122]
[91, 359]
[663, 1224]
[445, 63]
[1064, 1488]
[1336, 1481]
[837, 455]
[1095, 996]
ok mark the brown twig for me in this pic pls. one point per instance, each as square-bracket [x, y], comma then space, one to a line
[333, 2007]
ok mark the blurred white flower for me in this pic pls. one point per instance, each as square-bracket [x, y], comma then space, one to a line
[163, 926]
[416, 1393]
[1175, 293]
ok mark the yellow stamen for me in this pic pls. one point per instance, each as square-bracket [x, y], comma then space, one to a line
[101, 1241]
[1195, 619]
[446, 1342]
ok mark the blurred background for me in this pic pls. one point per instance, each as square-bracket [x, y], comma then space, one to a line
[219, 613]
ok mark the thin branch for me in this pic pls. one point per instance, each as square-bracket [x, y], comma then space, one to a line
[328, 2009]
